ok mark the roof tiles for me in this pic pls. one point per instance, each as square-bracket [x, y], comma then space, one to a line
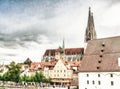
[102, 55]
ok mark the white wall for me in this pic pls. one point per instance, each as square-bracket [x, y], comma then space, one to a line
[105, 80]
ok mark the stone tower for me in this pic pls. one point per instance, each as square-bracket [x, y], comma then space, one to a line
[90, 33]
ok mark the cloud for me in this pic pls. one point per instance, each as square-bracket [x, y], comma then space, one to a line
[29, 27]
[26, 27]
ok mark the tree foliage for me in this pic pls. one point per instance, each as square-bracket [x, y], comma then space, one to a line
[39, 77]
[48, 80]
[13, 73]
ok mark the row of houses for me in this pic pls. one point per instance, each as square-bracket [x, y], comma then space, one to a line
[60, 71]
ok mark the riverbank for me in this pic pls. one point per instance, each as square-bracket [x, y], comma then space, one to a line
[33, 87]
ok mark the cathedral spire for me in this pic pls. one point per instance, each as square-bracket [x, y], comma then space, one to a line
[90, 33]
[63, 44]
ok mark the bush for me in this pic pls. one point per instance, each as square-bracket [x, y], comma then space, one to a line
[68, 87]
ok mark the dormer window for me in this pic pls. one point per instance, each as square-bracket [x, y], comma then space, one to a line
[101, 55]
[99, 61]
[98, 67]
[102, 50]
[103, 44]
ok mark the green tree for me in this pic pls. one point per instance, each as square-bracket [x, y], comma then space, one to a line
[4, 77]
[32, 78]
[39, 77]
[48, 80]
[26, 78]
[13, 72]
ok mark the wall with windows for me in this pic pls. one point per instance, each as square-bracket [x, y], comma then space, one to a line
[61, 71]
[99, 80]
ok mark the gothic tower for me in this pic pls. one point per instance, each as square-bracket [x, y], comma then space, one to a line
[90, 33]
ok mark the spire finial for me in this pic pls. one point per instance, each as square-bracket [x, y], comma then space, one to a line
[89, 8]
[90, 31]
[63, 43]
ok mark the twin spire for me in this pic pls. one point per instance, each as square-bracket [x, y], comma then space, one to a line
[90, 33]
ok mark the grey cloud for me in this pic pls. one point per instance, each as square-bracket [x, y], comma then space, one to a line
[32, 33]
[21, 37]
[111, 2]
[8, 54]
[115, 1]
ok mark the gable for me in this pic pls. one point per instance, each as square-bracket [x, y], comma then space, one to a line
[60, 65]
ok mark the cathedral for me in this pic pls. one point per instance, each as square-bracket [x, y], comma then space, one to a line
[73, 54]
[90, 33]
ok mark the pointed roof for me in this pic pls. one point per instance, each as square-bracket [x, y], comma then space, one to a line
[90, 30]
[63, 44]
[102, 55]
[28, 60]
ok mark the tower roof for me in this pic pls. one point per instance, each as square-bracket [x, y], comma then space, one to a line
[90, 33]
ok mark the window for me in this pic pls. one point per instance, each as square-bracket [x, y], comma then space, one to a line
[98, 67]
[102, 50]
[93, 82]
[112, 83]
[87, 75]
[61, 70]
[101, 55]
[87, 82]
[99, 82]
[64, 71]
[103, 44]
[111, 75]
[99, 61]
[98, 75]
[57, 70]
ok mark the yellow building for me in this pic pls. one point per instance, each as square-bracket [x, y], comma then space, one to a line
[61, 72]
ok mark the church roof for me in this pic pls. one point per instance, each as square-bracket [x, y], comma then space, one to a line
[68, 51]
[101, 55]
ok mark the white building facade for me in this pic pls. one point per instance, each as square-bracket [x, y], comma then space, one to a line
[99, 80]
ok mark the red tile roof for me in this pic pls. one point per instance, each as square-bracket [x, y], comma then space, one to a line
[40, 65]
[68, 51]
[35, 66]
[75, 63]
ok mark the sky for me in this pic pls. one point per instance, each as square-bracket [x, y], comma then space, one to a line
[29, 27]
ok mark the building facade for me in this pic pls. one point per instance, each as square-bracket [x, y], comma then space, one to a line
[61, 72]
[100, 67]
[69, 54]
